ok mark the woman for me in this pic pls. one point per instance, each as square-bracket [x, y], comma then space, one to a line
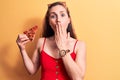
[60, 55]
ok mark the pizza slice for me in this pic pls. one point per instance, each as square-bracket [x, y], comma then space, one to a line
[30, 33]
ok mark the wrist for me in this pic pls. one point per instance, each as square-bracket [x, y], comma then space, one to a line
[63, 52]
[22, 49]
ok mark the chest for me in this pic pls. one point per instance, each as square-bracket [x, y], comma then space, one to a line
[52, 50]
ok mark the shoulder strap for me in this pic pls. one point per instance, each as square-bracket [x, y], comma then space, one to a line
[43, 44]
[75, 45]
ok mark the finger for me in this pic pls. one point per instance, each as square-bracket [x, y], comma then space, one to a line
[56, 32]
[21, 38]
[60, 29]
[25, 41]
[20, 42]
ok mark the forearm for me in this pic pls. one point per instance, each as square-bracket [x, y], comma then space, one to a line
[31, 65]
[27, 62]
[72, 68]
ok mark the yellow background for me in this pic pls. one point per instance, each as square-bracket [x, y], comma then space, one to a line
[97, 22]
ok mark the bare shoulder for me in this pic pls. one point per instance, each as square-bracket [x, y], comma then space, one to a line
[81, 43]
[81, 46]
[40, 42]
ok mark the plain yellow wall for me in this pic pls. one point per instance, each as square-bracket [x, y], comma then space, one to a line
[97, 22]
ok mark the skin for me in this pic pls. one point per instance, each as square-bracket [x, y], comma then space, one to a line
[59, 21]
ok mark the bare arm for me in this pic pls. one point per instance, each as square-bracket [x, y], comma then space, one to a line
[33, 64]
[76, 69]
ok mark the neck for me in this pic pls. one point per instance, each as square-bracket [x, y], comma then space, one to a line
[53, 37]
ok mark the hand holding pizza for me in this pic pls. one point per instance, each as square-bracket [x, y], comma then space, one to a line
[28, 35]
